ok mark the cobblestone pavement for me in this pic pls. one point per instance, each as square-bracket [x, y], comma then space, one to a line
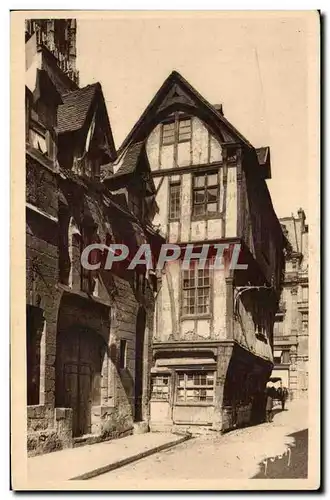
[240, 454]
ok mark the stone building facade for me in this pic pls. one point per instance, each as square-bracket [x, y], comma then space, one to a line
[213, 328]
[88, 334]
[291, 324]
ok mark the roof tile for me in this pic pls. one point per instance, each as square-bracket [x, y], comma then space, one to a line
[130, 160]
[71, 115]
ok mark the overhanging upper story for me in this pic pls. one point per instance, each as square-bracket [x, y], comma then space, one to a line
[210, 182]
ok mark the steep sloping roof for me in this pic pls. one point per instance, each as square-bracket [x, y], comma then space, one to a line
[130, 159]
[71, 115]
[176, 79]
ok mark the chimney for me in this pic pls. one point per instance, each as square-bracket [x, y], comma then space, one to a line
[218, 108]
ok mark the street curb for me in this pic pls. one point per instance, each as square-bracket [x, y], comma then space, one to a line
[129, 460]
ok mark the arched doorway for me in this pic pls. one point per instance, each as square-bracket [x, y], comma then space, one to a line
[79, 359]
[139, 348]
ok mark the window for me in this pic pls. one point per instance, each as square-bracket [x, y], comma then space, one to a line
[259, 330]
[139, 282]
[304, 321]
[122, 354]
[206, 194]
[195, 387]
[38, 141]
[278, 327]
[88, 278]
[286, 357]
[160, 387]
[184, 130]
[305, 293]
[175, 200]
[176, 131]
[168, 133]
[196, 287]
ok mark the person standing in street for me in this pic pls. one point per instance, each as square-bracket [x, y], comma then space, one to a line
[269, 408]
[284, 397]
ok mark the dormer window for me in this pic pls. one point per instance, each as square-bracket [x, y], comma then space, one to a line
[176, 131]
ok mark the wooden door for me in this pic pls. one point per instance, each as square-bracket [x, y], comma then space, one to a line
[79, 364]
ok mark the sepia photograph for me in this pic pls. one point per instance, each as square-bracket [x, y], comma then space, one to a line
[165, 184]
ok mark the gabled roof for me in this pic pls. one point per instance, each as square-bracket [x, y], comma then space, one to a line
[130, 160]
[75, 112]
[72, 114]
[175, 80]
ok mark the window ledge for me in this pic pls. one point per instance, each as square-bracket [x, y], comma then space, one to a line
[195, 403]
[217, 215]
[195, 316]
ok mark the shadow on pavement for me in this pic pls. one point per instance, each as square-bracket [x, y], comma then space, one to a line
[293, 464]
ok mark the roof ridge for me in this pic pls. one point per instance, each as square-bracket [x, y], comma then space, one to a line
[96, 84]
[172, 76]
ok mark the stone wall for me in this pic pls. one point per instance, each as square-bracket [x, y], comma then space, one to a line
[111, 314]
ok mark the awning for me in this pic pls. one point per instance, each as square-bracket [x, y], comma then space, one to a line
[277, 354]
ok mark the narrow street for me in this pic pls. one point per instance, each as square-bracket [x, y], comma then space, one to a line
[270, 450]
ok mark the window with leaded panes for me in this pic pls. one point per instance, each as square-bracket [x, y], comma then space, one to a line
[176, 131]
[175, 200]
[206, 194]
[304, 293]
[195, 387]
[168, 136]
[184, 130]
[160, 387]
[196, 289]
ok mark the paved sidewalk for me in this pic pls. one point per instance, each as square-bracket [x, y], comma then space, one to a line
[89, 461]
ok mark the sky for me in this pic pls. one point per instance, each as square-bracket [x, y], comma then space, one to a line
[256, 67]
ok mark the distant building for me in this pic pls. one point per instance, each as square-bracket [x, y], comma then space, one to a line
[291, 324]
[213, 329]
[88, 334]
